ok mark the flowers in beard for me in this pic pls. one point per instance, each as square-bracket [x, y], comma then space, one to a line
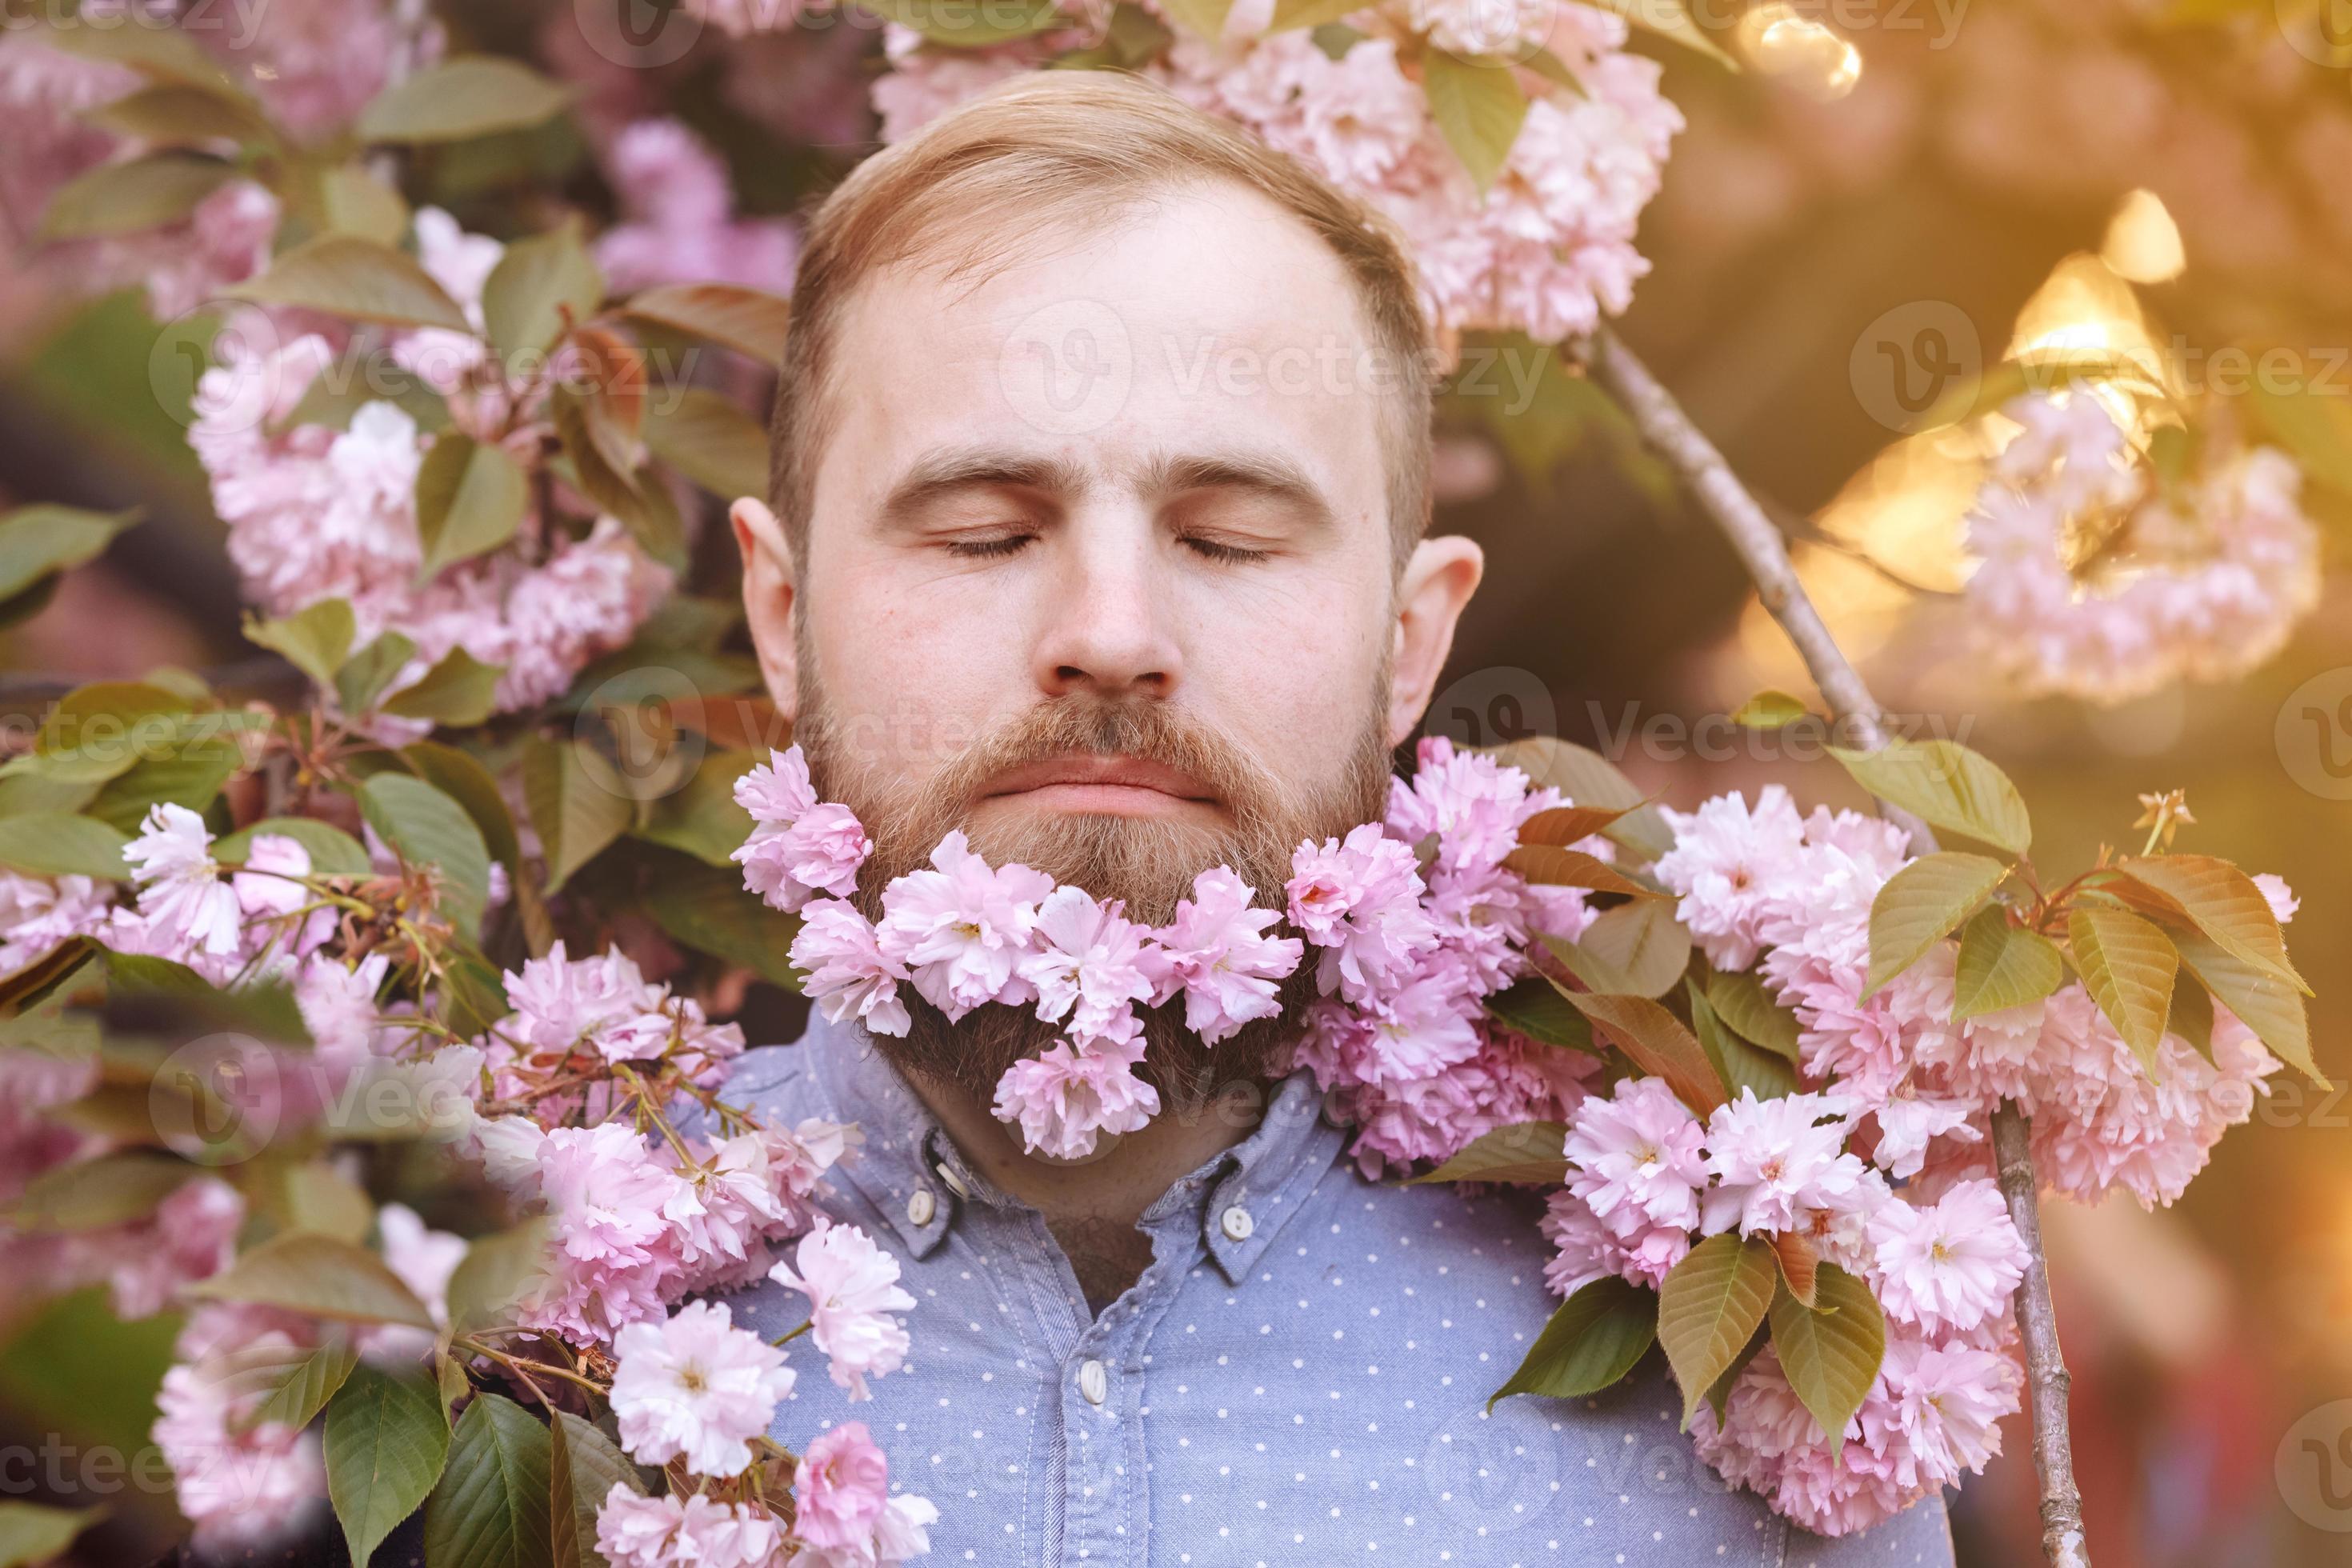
[854, 1295]
[1359, 900]
[1067, 1097]
[799, 846]
[1217, 954]
[962, 929]
[696, 1389]
[849, 978]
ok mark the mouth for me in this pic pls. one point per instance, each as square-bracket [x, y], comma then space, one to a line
[1103, 785]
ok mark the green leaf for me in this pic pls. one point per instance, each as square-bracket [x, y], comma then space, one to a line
[1948, 785]
[159, 54]
[1770, 709]
[493, 1507]
[321, 1277]
[1289, 14]
[1203, 18]
[1735, 1062]
[427, 828]
[2127, 964]
[708, 910]
[2216, 899]
[460, 691]
[471, 499]
[1525, 1152]
[473, 95]
[1634, 949]
[1920, 905]
[315, 639]
[357, 202]
[91, 1194]
[541, 287]
[1708, 1310]
[307, 1383]
[2192, 1015]
[1669, 19]
[701, 818]
[578, 803]
[38, 542]
[584, 1466]
[1534, 1008]
[494, 1274]
[160, 992]
[745, 320]
[960, 24]
[1593, 1340]
[1658, 1045]
[386, 1441]
[59, 844]
[322, 1200]
[130, 197]
[32, 1533]
[637, 499]
[1740, 1001]
[367, 672]
[338, 392]
[703, 435]
[187, 771]
[1801, 1267]
[2271, 1009]
[1566, 826]
[1831, 1353]
[2002, 965]
[332, 851]
[103, 711]
[1572, 869]
[1588, 779]
[1479, 107]
[462, 777]
[358, 279]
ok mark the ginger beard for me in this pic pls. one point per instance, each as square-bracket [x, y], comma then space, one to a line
[1147, 863]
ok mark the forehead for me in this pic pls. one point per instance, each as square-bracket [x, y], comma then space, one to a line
[1206, 317]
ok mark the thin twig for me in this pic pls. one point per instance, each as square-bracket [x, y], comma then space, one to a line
[1669, 432]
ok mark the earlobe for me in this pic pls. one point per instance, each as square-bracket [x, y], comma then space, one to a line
[1437, 584]
[769, 598]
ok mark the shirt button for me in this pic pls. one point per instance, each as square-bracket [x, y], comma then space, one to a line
[955, 1184]
[1094, 1383]
[920, 1207]
[1237, 1223]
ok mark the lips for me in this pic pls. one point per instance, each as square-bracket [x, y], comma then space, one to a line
[1105, 776]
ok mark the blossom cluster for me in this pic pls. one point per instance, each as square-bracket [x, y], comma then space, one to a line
[2203, 580]
[1647, 1178]
[1548, 248]
[1403, 960]
[1762, 885]
[315, 512]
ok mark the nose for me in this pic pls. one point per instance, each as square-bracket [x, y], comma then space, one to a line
[1108, 619]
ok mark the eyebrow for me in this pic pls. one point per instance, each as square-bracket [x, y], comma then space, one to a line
[954, 471]
[1268, 474]
[946, 473]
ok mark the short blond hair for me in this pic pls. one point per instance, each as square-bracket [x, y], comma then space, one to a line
[1075, 149]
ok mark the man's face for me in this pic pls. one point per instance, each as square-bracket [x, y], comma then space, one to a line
[1099, 566]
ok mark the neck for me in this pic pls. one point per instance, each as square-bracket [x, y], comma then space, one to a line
[1125, 1176]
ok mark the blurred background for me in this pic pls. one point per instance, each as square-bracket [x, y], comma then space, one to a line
[1894, 197]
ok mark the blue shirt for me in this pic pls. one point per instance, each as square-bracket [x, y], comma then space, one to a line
[1299, 1378]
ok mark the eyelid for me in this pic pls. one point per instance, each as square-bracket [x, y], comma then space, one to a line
[983, 548]
[1223, 550]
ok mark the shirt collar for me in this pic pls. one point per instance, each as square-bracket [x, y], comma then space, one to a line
[1240, 1198]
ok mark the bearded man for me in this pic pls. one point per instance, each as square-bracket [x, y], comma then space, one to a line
[1096, 531]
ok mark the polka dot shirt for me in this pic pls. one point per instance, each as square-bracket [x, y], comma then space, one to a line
[1300, 1376]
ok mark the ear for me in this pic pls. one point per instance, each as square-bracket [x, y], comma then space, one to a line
[768, 599]
[1437, 583]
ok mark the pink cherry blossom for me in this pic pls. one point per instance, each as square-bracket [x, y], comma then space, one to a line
[696, 1388]
[692, 1532]
[1777, 1162]
[799, 847]
[849, 976]
[1359, 900]
[182, 895]
[1065, 1097]
[853, 1290]
[1950, 1264]
[1638, 1159]
[1216, 951]
[1090, 966]
[962, 929]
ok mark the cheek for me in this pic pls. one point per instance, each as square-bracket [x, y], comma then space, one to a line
[911, 680]
[1294, 672]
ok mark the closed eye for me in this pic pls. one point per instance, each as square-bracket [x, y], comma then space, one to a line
[1218, 550]
[987, 548]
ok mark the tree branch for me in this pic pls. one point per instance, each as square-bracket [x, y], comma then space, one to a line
[1669, 432]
